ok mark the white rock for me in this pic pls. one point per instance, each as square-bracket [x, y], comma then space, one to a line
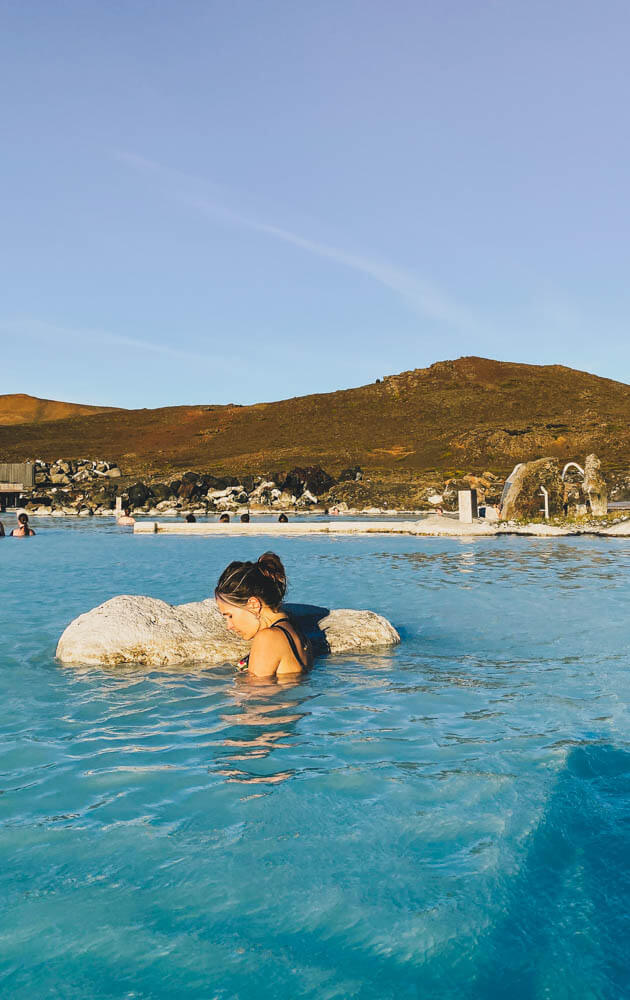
[262, 488]
[220, 494]
[150, 632]
[435, 499]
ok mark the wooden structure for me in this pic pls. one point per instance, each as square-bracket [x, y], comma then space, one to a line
[15, 479]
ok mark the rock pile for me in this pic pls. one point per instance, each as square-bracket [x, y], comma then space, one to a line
[84, 488]
[64, 473]
[203, 494]
[73, 487]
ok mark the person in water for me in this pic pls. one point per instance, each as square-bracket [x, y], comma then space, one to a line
[224, 519]
[23, 529]
[126, 518]
[283, 519]
[244, 518]
[249, 595]
[1, 530]
[191, 519]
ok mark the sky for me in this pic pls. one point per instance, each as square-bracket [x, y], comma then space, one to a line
[205, 201]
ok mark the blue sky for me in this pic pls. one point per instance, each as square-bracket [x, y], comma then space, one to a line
[255, 199]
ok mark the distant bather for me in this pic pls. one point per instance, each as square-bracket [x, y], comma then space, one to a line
[24, 529]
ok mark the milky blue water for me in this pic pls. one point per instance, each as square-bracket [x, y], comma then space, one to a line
[448, 819]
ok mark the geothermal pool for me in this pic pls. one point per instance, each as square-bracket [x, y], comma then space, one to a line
[446, 819]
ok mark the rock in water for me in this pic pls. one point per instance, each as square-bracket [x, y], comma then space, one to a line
[150, 632]
[524, 498]
[595, 486]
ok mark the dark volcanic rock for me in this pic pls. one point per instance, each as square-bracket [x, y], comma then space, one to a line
[312, 478]
[190, 489]
[40, 500]
[161, 491]
[105, 493]
[138, 494]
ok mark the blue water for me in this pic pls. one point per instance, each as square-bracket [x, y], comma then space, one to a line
[449, 819]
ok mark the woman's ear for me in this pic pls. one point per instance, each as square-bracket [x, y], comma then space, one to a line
[255, 606]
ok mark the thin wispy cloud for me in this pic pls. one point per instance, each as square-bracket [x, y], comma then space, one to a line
[33, 329]
[421, 295]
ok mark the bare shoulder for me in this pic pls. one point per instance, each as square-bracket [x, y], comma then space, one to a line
[266, 653]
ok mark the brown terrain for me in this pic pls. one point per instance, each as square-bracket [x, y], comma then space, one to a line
[22, 409]
[468, 415]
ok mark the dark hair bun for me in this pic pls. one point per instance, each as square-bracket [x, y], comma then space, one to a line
[270, 565]
[265, 579]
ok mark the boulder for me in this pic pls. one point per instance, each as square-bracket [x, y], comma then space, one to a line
[189, 489]
[150, 632]
[307, 499]
[312, 478]
[524, 499]
[595, 486]
[161, 491]
[40, 500]
[138, 494]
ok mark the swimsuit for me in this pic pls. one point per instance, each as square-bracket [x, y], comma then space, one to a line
[244, 663]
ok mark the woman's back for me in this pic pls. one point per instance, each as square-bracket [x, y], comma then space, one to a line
[23, 529]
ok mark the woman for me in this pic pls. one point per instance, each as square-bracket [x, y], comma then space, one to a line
[23, 530]
[249, 596]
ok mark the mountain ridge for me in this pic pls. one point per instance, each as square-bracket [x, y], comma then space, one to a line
[21, 408]
[456, 414]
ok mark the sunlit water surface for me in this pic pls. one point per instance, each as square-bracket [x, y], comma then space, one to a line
[450, 818]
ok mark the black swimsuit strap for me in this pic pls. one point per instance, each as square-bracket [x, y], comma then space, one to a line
[292, 644]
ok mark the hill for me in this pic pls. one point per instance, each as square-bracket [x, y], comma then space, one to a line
[22, 409]
[469, 414]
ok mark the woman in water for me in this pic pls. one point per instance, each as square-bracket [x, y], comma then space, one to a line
[23, 529]
[249, 596]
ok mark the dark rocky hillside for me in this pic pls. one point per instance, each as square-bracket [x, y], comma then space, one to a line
[468, 415]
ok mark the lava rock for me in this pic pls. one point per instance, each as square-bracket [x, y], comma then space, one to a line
[138, 494]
